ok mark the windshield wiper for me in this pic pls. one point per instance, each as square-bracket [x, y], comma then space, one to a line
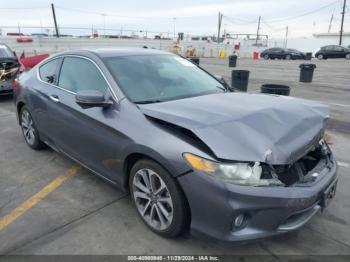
[222, 88]
[148, 101]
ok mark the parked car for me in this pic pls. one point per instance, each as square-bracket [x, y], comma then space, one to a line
[9, 68]
[333, 51]
[193, 153]
[282, 53]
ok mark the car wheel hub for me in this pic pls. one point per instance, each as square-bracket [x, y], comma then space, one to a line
[28, 127]
[152, 199]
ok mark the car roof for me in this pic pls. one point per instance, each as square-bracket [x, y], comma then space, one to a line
[114, 52]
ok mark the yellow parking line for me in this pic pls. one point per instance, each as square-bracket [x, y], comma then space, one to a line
[29, 203]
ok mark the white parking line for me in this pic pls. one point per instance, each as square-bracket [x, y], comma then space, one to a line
[343, 164]
[335, 104]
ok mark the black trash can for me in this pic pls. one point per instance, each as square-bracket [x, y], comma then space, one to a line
[232, 61]
[306, 72]
[308, 56]
[275, 89]
[195, 60]
[239, 79]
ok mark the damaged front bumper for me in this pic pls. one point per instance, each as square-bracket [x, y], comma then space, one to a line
[8, 72]
[217, 207]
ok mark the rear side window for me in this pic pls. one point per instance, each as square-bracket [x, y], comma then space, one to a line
[79, 74]
[48, 71]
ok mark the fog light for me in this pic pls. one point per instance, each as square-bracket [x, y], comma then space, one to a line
[239, 222]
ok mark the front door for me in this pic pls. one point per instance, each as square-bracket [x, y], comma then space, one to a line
[86, 135]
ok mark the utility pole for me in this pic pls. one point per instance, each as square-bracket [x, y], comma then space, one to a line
[330, 23]
[219, 26]
[285, 44]
[174, 28]
[54, 19]
[257, 33]
[342, 23]
[104, 24]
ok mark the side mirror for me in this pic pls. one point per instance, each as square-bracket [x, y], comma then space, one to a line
[91, 98]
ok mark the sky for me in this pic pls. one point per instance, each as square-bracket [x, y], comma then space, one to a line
[191, 16]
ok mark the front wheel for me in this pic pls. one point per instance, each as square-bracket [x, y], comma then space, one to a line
[347, 56]
[29, 130]
[266, 57]
[288, 57]
[158, 199]
[320, 57]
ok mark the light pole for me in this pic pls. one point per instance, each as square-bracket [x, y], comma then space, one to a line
[174, 27]
[104, 24]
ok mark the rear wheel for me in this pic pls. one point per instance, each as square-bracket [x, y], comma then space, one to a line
[266, 57]
[347, 56]
[158, 199]
[29, 130]
[320, 56]
[288, 57]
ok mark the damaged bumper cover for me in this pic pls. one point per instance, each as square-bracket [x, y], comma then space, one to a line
[267, 211]
[8, 72]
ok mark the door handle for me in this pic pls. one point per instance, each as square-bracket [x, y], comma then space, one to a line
[54, 98]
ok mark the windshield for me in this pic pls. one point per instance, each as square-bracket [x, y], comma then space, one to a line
[5, 52]
[158, 78]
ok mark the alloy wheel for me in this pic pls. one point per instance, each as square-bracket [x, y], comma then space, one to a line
[347, 56]
[320, 57]
[288, 57]
[266, 57]
[28, 127]
[152, 199]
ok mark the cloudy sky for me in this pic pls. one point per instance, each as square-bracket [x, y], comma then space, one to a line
[303, 17]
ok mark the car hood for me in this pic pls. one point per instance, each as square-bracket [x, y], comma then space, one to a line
[248, 127]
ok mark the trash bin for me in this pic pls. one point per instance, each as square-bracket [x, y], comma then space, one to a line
[239, 79]
[195, 60]
[232, 61]
[275, 89]
[308, 56]
[306, 72]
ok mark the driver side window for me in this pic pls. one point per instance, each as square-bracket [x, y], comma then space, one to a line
[79, 74]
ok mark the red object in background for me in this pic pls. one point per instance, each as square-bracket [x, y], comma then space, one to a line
[237, 47]
[24, 40]
[31, 61]
[255, 55]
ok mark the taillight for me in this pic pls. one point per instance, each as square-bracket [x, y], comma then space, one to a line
[15, 85]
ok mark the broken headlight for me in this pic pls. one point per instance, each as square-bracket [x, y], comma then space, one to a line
[245, 174]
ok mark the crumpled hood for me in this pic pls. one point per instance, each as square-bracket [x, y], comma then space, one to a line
[248, 127]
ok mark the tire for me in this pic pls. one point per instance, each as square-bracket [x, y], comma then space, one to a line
[266, 57]
[150, 205]
[288, 57]
[347, 56]
[29, 130]
[320, 56]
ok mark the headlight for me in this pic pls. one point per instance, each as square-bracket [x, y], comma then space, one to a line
[247, 174]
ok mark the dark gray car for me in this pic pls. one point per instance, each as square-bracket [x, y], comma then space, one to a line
[193, 154]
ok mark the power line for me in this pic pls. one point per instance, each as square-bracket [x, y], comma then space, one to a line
[304, 14]
[238, 20]
[23, 8]
[272, 27]
[132, 17]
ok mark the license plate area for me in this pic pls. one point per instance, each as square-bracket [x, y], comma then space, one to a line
[328, 194]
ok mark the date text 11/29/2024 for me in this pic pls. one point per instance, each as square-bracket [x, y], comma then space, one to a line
[174, 258]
